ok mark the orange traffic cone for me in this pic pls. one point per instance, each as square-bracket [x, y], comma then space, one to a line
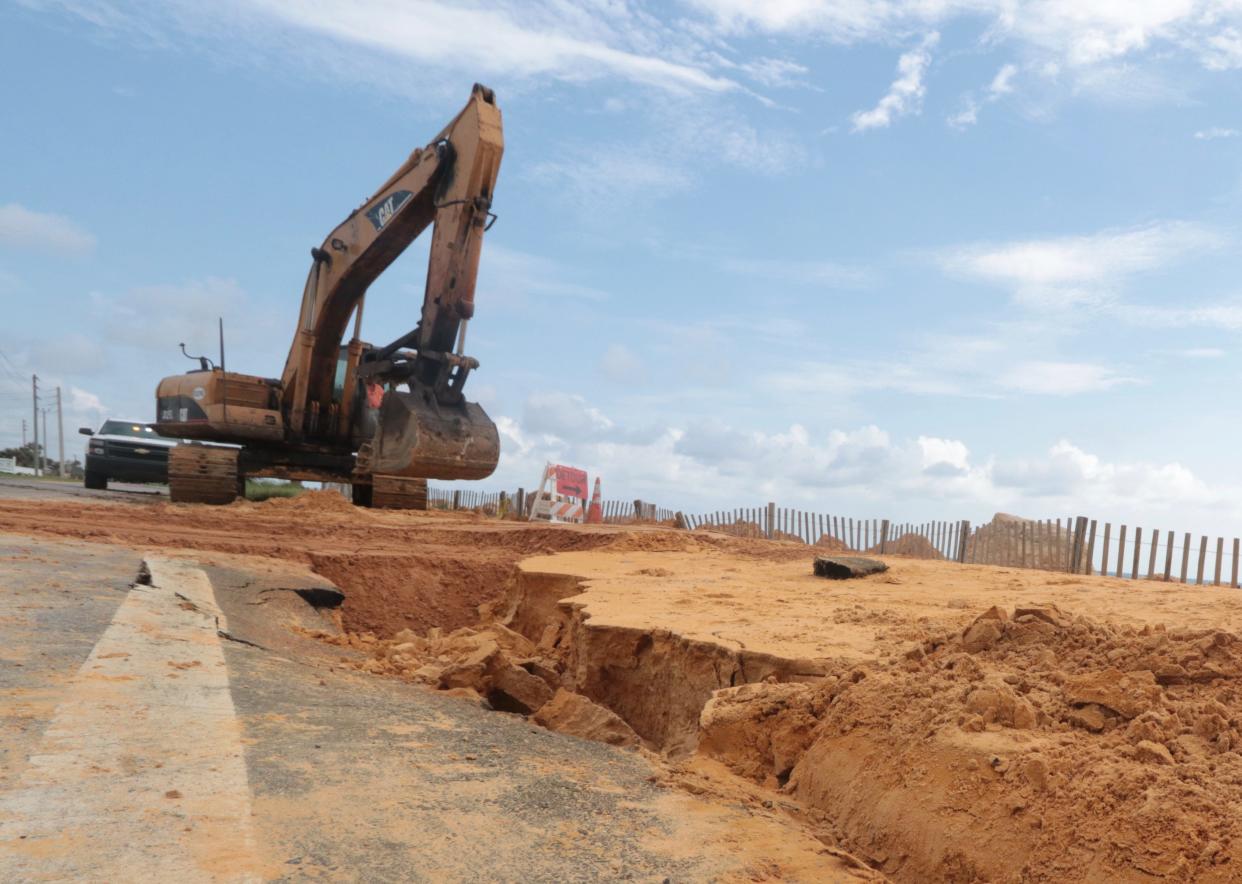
[595, 512]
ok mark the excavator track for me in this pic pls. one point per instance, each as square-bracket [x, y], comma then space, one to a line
[398, 493]
[203, 474]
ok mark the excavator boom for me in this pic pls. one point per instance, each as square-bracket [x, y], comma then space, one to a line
[448, 184]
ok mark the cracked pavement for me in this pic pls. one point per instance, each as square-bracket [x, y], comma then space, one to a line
[348, 777]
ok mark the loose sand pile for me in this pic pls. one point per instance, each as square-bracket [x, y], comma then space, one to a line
[307, 501]
[739, 528]
[1007, 538]
[1032, 746]
[831, 544]
[494, 665]
[915, 545]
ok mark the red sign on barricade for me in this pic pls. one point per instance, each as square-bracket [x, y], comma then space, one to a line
[571, 482]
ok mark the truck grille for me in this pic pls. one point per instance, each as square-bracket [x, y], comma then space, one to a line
[136, 451]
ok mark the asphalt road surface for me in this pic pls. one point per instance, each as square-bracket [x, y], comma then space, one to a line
[29, 488]
[179, 730]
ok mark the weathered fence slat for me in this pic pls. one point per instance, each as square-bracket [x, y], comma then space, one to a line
[1121, 552]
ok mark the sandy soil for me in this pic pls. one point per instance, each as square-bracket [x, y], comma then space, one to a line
[399, 569]
[949, 722]
[945, 722]
[779, 607]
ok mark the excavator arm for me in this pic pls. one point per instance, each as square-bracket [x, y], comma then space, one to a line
[431, 431]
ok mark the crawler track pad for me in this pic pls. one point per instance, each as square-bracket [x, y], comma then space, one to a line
[203, 474]
[417, 438]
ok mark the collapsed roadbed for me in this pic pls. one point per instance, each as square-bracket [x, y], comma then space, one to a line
[933, 736]
[943, 722]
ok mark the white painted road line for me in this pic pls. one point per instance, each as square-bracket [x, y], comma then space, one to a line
[141, 774]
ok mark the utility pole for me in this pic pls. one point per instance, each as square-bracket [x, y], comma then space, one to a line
[45, 438]
[34, 392]
[23, 432]
[60, 435]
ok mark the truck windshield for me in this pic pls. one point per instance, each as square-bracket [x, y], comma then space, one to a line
[124, 428]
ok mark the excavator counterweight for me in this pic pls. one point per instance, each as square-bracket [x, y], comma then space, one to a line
[380, 418]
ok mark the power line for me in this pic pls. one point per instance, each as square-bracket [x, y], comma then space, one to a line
[10, 367]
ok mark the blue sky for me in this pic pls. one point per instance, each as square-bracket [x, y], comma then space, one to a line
[916, 260]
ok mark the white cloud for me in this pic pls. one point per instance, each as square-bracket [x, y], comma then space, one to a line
[864, 471]
[521, 277]
[487, 40]
[564, 418]
[813, 274]
[1061, 378]
[681, 141]
[9, 282]
[621, 365]
[1129, 84]
[26, 229]
[563, 415]
[1001, 360]
[164, 315]
[967, 116]
[1222, 315]
[1199, 353]
[1070, 473]
[604, 176]
[141, 328]
[905, 95]
[775, 72]
[436, 42]
[84, 400]
[1002, 83]
[1216, 132]
[366, 38]
[1075, 270]
[1055, 34]
[941, 453]
[1223, 50]
[80, 407]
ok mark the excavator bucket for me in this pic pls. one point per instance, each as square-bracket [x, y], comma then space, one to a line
[417, 437]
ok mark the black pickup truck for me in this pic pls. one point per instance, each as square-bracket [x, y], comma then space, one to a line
[127, 451]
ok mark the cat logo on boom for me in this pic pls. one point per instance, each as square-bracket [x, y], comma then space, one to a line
[383, 213]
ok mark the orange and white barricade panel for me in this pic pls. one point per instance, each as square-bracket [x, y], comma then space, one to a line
[558, 503]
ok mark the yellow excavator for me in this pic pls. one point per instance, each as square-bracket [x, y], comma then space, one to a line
[337, 413]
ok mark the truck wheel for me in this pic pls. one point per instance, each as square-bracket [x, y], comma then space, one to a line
[95, 480]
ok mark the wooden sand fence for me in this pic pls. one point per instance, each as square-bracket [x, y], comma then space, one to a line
[1075, 544]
